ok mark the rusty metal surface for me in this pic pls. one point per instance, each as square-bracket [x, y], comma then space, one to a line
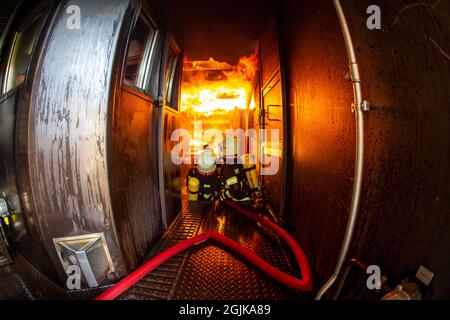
[172, 172]
[134, 175]
[208, 271]
[68, 126]
[406, 203]
[404, 218]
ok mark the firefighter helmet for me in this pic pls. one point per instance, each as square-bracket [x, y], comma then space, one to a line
[206, 162]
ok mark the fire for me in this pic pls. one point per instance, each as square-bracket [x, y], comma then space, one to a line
[216, 94]
[210, 86]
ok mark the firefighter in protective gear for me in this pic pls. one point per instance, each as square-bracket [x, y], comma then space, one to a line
[4, 221]
[234, 183]
[203, 179]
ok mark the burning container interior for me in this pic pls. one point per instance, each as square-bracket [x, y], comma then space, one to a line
[109, 108]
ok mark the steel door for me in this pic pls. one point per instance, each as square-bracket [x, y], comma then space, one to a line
[272, 114]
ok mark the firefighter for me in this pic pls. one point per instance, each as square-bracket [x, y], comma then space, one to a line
[203, 179]
[233, 178]
[4, 221]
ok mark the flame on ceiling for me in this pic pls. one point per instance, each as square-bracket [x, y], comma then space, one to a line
[212, 86]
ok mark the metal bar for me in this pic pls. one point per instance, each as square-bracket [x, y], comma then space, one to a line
[359, 163]
[86, 269]
[352, 262]
[385, 288]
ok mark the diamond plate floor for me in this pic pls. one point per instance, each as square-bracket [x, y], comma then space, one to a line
[12, 285]
[208, 271]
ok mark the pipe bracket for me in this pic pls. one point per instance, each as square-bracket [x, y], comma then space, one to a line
[365, 106]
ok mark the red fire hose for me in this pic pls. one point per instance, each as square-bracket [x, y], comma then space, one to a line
[304, 284]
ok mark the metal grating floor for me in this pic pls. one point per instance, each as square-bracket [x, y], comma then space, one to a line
[208, 271]
[12, 285]
[161, 283]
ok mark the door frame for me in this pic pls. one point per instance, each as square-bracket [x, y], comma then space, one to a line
[281, 216]
[170, 44]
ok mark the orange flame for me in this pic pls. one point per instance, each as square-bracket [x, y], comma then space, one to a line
[211, 86]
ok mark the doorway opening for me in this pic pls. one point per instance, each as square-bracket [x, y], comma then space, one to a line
[218, 99]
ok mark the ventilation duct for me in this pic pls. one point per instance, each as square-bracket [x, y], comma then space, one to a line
[90, 253]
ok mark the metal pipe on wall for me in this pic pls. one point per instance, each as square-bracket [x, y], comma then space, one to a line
[359, 106]
[351, 263]
[385, 288]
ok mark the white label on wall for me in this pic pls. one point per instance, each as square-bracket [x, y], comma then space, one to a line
[424, 275]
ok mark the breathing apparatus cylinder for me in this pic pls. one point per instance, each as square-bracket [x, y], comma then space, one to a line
[4, 221]
[229, 150]
[193, 189]
[250, 172]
